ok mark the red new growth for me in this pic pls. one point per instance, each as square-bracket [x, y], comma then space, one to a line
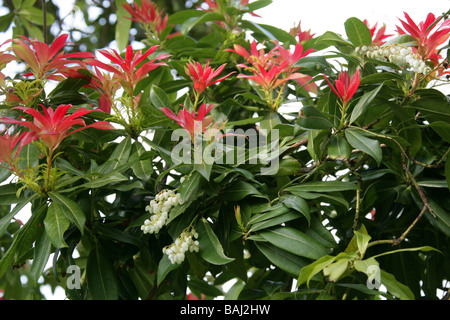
[427, 41]
[47, 62]
[345, 86]
[203, 77]
[193, 124]
[8, 144]
[53, 126]
[129, 70]
[148, 15]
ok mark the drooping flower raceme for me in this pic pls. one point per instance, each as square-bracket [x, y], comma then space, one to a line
[159, 209]
[185, 242]
[398, 54]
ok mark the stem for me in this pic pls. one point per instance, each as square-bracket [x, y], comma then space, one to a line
[416, 185]
[396, 242]
[197, 98]
[404, 234]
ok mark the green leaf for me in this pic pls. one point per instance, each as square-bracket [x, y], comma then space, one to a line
[70, 209]
[284, 260]
[258, 4]
[159, 98]
[205, 17]
[112, 177]
[143, 169]
[357, 32]
[29, 156]
[308, 272]
[433, 104]
[123, 25]
[164, 268]
[322, 186]
[23, 240]
[294, 241]
[238, 190]
[424, 249]
[119, 156]
[56, 223]
[339, 148]
[8, 194]
[312, 118]
[180, 17]
[394, 287]
[5, 220]
[101, 277]
[359, 141]
[331, 39]
[297, 203]
[364, 102]
[41, 254]
[190, 186]
[210, 247]
[362, 240]
[337, 269]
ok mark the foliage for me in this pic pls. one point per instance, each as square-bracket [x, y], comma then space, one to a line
[141, 170]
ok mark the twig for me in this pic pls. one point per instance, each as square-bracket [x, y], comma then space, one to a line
[416, 185]
[404, 234]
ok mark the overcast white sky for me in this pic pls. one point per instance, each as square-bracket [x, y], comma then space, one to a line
[330, 15]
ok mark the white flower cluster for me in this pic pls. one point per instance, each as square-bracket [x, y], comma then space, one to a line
[397, 54]
[186, 241]
[160, 208]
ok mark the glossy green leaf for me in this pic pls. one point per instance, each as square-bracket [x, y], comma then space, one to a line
[56, 223]
[286, 261]
[294, 241]
[239, 190]
[357, 139]
[395, 287]
[210, 247]
[70, 209]
[123, 25]
[205, 17]
[23, 240]
[339, 148]
[159, 98]
[101, 277]
[308, 272]
[119, 156]
[364, 102]
[41, 254]
[312, 118]
[358, 32]
[322, 186]
[297, 203]
[5, 220]
[143, 169]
